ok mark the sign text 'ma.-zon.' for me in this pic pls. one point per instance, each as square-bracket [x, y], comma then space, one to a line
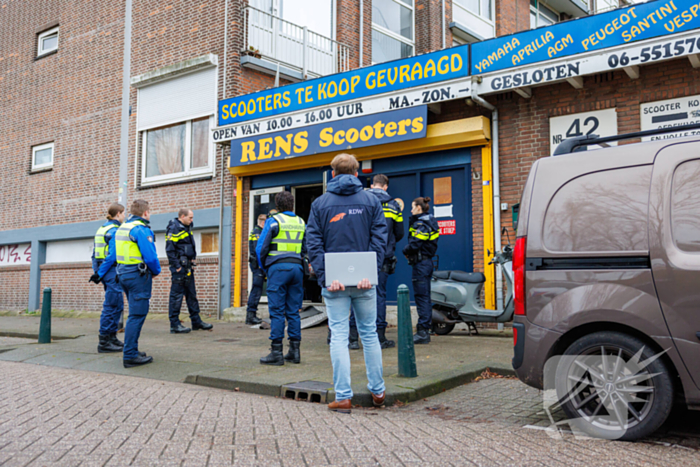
[378, 79]
[597, 32]
[342, 135]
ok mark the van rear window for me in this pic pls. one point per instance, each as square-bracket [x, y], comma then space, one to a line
[601, 211]
[685, 206]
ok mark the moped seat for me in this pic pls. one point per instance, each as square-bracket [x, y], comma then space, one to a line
[461, 276]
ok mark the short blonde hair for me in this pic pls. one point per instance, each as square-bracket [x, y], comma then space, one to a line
[345, 164]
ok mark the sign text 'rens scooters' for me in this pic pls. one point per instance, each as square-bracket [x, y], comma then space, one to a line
[631, 24]
[364, 82]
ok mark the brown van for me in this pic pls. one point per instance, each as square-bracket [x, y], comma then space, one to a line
[607, 283]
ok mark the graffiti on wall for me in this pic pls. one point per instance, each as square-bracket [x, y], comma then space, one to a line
[15, 255]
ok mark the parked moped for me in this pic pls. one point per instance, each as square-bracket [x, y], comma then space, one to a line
[456, 296]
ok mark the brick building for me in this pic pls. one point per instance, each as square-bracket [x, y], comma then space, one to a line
[103, 102]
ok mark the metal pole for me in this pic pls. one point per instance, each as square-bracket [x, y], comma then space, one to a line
[443, 25]
[362, 29]
[124, 134]
[306, 44]
[407, 354]
[220, 281]
[45, 323]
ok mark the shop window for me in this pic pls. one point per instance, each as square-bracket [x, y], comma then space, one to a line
[210, 242]
[177, 151]
[392, 30]
[42, 156]
[47, 42]
[541, 15]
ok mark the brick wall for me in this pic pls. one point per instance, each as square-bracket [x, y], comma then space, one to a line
[14, 284]
[429, 23]
[512, 16]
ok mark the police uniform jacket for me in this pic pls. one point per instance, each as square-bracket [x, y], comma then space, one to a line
[423, 236]
[179, 242]
[144, 237]
[105, 264]
[394, 220]
[252, 246]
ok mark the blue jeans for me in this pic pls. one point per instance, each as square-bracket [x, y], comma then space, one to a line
[138, 289]
[338, 304]
[381, 303]
[113, 306]
[285, 296]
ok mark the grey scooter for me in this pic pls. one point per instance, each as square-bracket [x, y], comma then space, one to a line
[456, 296]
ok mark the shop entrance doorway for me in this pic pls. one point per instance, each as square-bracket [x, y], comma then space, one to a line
[261, 202]
[303, 197]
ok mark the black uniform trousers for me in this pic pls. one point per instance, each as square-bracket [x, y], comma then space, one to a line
[183, 286]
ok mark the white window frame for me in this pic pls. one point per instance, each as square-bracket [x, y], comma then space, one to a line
[188, 173]
[479, 13]
[41, 147]
[536, 10]
[397, 36]
[40, 50]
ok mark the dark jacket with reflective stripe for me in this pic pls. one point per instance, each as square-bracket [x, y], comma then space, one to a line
[423, 236]
[345, 219]
[179, 241]
[394, 220]
[268, 233]
[252, 245]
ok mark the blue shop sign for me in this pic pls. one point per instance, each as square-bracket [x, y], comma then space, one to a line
[618, 27]
[342, 135]
[378, 79]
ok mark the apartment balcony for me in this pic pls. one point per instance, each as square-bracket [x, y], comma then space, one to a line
[272, 44]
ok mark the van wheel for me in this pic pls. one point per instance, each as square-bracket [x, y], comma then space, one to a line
[613, 386]
[442, 329]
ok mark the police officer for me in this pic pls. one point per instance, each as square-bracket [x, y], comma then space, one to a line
[104, 259]
[422, 246]
[137, 263]
[182, 257]
[280, 252]
[256, 271]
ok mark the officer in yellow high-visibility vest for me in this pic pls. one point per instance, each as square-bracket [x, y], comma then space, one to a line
[280, 252]
[104, 258]
[137, 263]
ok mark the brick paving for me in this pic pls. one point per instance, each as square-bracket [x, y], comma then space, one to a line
[54, 416]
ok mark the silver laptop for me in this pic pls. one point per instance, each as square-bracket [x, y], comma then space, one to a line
[350, 268]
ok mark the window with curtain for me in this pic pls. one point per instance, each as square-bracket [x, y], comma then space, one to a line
[392, 30]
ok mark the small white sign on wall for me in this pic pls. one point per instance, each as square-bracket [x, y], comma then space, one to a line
[670, 113]
[598, 122]
[15, 255]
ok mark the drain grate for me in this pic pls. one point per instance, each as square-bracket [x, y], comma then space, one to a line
[226, 340]
[309, 391]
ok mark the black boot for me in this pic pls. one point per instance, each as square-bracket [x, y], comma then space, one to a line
[199, 325]
[421, 336]
[294, 354]
[115, 341]
[383, 341]
[275, 357]
[138, 361]
[179, 329]
[106, 345]
[251, 318]
[353, 343]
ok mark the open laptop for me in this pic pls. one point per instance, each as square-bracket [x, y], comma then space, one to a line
[350, 268]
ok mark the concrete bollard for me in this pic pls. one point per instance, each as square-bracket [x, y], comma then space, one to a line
[407, 354]
[45, 324]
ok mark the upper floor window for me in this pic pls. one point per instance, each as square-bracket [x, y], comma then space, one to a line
[42, 156]
[478, 7]
[606, 5]
[392, 30]
[541, 15]
[48, 42]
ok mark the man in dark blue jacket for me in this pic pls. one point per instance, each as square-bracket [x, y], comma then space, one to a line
[348, 219]
[258, 275]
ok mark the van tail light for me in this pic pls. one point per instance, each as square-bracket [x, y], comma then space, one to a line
[519, 275]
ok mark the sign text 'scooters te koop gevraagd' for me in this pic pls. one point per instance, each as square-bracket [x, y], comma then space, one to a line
[374, 80]
[618, 27]
[370, 130]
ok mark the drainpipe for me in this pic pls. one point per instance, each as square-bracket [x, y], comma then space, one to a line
[362, 31]
[220, 281]
[125, 111]
[496, 190]
[443, 24]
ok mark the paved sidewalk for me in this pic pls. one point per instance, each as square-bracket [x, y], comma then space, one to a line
[65, 417]
[228, 357]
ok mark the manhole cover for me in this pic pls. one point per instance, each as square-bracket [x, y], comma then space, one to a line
[226, 340]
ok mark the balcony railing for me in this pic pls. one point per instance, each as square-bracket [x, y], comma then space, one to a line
[294, 46]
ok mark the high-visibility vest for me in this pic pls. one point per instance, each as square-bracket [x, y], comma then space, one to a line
[101, 245]
[290, 235]
[429, 236]
[127, 251]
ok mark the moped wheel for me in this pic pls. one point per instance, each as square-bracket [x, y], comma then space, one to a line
[442, 329]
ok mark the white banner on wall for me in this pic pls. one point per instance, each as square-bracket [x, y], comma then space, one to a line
[15, 255]
[598, 122]
[670, 113]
